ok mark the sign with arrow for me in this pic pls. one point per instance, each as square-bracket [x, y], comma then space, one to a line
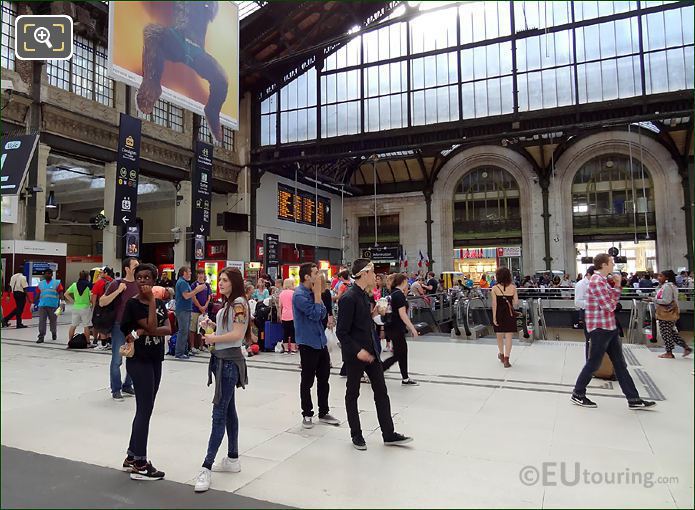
[202, 186]
[127, 171]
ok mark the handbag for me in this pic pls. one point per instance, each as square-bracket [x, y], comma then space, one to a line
[670, 313]
[127, 350]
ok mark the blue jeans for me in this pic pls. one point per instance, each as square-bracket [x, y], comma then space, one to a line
[118, 339]
[183, 320]
[605, 341]
[224, 416]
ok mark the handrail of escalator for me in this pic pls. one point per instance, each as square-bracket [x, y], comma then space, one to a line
[466, 310]
[631, 327]
[525, 318]
[542, 325]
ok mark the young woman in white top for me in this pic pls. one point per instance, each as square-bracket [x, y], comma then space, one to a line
[228, 365]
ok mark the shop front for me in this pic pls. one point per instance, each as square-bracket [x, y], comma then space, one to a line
[476, 262]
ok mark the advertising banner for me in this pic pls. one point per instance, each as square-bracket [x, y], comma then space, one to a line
[17, 152]
[132, 242]
[202, 196]
[183, 52]
[127, 171]
[199, 248]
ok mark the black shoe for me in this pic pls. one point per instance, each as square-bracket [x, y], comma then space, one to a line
[641, 404]
[128, 465]
[359, 443]
[398, 440]
[39, 341]
[409, 382]
[128, 391]
[21, 326]
[116, 395]
[582, 401]
[146, 472]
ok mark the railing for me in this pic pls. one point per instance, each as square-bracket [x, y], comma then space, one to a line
[602, 221]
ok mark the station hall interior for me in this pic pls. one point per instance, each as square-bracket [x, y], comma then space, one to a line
[442, 140]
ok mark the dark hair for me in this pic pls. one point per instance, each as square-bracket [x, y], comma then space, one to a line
[358, 265]
[147, 267]
[182, 270]
[238, 290]
[431, 274]
[107, 270]
[398, 279]
[600, 260]
[344, 274]
[590, 270]
[48, 270]
[669, 275]
[503, 276]
[305, 270]
[84, 275]
[200, 270]
[126, 263]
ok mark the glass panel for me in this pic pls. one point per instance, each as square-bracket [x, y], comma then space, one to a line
[676, 69]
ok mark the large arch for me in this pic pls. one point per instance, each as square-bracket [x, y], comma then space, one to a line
[668, 192]
[530, 203]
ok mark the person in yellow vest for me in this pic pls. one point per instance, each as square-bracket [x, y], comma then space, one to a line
[50, 293]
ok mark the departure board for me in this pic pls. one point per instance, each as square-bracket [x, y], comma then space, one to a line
[302, 207]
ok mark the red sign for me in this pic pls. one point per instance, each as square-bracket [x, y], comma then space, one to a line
[475, 253]
[216, 250]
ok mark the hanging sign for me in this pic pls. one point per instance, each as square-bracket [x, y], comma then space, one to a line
[202, 197]
[127, 170]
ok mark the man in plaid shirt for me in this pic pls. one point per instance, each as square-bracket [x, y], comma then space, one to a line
[604, 337]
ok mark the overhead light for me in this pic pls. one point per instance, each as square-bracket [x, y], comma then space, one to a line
[51, 201]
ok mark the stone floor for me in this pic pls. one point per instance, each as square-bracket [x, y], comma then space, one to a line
[483, 435]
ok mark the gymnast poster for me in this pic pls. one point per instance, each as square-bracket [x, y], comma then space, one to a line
[186, 53]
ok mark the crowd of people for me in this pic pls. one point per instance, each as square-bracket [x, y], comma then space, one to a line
[134, 314]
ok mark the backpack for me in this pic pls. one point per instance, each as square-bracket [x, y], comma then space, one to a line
[104, 317]
[79, 341]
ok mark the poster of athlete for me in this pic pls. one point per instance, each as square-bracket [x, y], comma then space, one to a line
[186, 53]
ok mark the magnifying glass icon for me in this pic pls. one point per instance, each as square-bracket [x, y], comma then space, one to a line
[43, 36]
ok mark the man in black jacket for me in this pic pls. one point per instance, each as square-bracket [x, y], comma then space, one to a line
[361, 351]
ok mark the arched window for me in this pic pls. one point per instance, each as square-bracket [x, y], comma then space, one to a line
[611, 198]
[486, 207]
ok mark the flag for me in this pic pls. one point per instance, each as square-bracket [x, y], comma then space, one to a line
[419, 263]
[427, 259]
[405, 259]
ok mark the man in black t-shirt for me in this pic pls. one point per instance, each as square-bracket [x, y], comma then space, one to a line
[432, 283]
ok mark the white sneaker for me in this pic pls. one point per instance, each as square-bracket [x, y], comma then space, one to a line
[202, 482]
[195, 351]
[227, 465]
[306, 422]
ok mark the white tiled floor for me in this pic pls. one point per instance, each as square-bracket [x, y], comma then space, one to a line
[475, 424]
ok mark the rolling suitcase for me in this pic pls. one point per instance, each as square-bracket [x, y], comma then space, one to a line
[272, 335]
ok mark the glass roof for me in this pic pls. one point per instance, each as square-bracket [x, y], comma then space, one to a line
[247, 8]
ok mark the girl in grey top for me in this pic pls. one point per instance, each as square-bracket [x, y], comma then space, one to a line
[667, 296]
[228, 365]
